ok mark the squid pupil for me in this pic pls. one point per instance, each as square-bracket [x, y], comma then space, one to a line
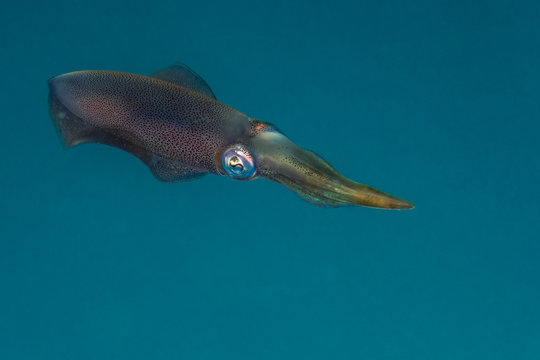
[236, 164]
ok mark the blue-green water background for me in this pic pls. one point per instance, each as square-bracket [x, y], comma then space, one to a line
[434, 101]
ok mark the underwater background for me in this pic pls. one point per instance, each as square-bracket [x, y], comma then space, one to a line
[437, 102]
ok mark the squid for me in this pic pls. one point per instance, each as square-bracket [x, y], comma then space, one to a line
[173, 123]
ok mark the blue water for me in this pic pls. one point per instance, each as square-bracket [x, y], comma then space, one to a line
[437, 102]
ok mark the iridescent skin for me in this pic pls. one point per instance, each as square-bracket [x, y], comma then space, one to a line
[174, 124]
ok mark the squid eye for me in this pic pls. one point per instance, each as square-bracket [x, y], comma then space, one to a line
[238, 163]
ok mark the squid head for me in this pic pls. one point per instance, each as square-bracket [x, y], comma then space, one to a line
[270, 154]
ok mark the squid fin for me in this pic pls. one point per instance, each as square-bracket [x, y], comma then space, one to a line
[182, 75]
[171, 171]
